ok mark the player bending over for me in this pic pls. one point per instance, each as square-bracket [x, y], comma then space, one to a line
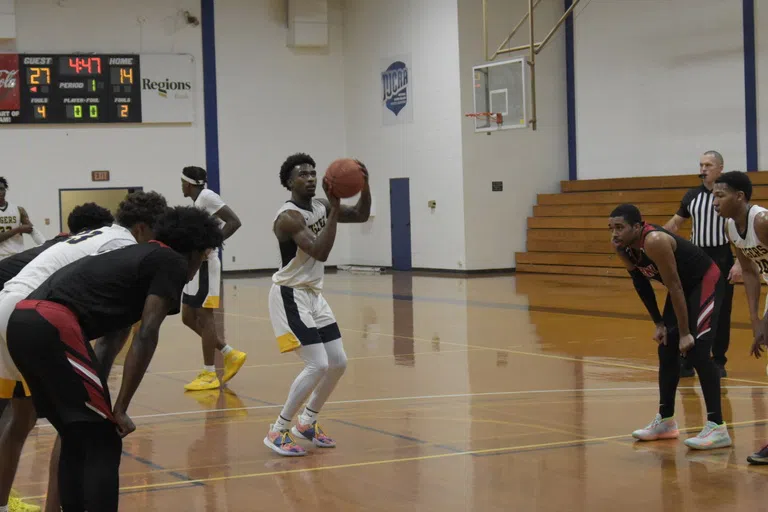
[305, 228]
[201, 295]
[84, 217]
[48, 337]
[135, 217]
[747, 228]
[689, 322]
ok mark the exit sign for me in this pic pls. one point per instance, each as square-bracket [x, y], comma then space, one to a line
[99, 175]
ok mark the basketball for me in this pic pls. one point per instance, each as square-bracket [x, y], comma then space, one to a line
[345, 177]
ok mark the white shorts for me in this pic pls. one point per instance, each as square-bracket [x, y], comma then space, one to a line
[300, 317]
[8, 370]
[203, 291]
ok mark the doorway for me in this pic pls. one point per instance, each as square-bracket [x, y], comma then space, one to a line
[400, 213]
[108, 198]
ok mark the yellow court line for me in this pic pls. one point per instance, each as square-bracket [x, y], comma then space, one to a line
[394, 461]
[517, 352]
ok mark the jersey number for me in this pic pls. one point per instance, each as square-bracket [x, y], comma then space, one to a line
[763, 265]
[5, 229]
[85, 236]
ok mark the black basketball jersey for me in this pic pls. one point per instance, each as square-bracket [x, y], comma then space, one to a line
[107, 291]
[12, 265]
[692, 262]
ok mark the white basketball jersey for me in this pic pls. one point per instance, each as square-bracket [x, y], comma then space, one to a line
[10, 217]
[750, 245]
[63, 253]
[298, 269]
[210, 202]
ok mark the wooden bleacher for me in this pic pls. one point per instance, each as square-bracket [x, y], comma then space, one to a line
[568, 233]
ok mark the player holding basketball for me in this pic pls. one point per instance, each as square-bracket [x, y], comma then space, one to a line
[747, 228]
[201, 295]
[689, 322]
[14, 222]
[48, 337]
[305, 228]
[135, 217]
[84, 217]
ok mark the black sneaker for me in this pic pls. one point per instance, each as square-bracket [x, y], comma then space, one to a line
[759, 458]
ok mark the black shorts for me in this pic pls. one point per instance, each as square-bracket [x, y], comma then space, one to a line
[704, 303]
[58, 364]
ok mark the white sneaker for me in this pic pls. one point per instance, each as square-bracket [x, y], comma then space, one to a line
[712, 436]
[658, 429]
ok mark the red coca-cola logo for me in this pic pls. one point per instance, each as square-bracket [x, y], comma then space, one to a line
[8, 78]
[10, 84]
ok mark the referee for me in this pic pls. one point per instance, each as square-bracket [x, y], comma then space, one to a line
[709, 233]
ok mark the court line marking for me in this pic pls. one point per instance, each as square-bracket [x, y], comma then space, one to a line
[422, 397]
[510, 449]
[361, 358]
[517, 352]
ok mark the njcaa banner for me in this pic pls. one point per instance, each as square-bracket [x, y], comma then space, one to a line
[396, 90]
[168, 88]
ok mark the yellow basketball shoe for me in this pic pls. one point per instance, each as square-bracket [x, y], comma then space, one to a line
[16, 505]
[233, 361]
[205, 380]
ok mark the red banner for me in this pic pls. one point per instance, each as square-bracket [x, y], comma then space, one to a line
[10, 98]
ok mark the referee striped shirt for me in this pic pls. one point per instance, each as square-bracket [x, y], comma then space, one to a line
[708, 226]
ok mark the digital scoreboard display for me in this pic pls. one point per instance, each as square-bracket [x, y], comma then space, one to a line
[62, 89]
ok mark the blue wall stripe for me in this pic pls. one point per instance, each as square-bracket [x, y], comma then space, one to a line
[750, 83]
[570, 85]
[211, 114]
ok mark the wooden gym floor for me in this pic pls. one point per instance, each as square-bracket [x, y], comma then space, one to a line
[487, 393]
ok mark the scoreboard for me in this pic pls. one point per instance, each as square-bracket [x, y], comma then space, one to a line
[91, 88]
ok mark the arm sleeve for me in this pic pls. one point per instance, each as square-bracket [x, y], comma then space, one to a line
[647, 295]
[211, 202]
[168, 275]
[37, 236]
[685, 210]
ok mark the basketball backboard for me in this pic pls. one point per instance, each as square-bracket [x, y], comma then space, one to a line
[500, 88]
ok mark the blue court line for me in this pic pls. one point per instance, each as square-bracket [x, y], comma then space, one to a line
[176, 379]
[397, 436]
[158, 467]
[156, 489]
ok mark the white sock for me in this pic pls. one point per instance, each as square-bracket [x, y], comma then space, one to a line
[308, 417]
[211, 368]
[280, 425]
[4, 508]
[226, 350]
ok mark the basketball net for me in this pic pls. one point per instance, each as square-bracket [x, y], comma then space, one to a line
[497, 118]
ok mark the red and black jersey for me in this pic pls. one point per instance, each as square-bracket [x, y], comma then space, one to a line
[692, 262]
[12, 265]
[107, 291]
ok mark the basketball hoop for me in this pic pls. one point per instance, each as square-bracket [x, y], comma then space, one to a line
[497, 118]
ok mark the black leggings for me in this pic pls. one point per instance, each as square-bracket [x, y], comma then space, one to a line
[89, 467]
[704, 308]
